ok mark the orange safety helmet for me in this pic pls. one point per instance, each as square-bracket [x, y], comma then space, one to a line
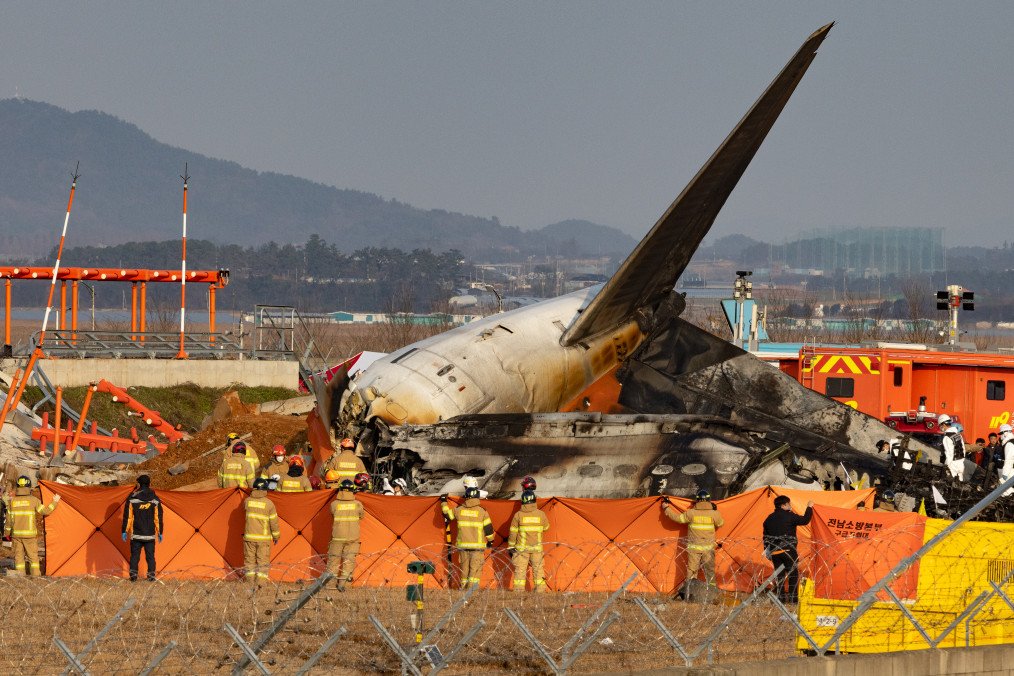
[347, 443]
[332, 476]
[297, 460]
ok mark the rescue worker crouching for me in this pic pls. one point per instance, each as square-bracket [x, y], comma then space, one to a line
[142, 526]
[22, 526]
[702, 520]
[524, 544]
[295, 480]
[236, 471]
[475, 534]
[341, 553]
[260, 532]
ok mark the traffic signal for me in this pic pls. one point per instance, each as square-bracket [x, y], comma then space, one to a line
[942, 300]
[967, 300]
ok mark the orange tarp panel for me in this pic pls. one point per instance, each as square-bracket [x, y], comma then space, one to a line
[853, 550]
[592, 545]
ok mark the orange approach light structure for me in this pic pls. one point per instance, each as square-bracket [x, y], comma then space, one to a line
[138, 278]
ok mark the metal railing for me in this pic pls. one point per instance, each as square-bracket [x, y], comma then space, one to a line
[138, 345]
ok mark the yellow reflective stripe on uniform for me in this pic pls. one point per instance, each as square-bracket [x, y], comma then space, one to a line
[701, 547]
[252, 536]
[346, 518]
[262, 517]
[699, 526]
[256, 503]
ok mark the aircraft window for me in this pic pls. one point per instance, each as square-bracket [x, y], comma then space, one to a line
[996, 390]
[840, 387]
[899, 376]
[402, 356]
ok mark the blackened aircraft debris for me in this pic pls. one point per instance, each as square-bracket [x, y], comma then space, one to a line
[607, 392]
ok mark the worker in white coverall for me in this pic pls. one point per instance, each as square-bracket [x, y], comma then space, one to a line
[954, 447]
[1007, 444]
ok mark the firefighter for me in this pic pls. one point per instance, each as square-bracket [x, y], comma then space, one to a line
[142, 525]
[341, 553]
[248, 451]
[780, 544]
[235, 470]
[362, 482]
[886, 502]
[346, 463]
[277, 468]
[702, 520]
[524, 544]
[22, 526]
[1007, 448]
[954, 447]
[260, 532]
[295, 481]
[475, 534]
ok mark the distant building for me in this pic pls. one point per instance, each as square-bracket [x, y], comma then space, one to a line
[868, 252]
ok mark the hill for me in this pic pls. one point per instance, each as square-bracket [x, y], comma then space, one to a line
[130, 191]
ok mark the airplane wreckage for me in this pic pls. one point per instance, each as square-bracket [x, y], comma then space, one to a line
[607, 392]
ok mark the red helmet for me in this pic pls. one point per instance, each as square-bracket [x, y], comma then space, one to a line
[528, 484]
[315, 483]
[347, 443]
[297, 460]
[362, 481]
[278, 450]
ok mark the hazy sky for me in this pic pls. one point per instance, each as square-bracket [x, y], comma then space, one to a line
[536, 112]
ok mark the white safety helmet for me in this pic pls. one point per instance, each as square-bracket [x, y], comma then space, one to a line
[470, 482]
[1005, 429]
[400, 482]
[943, 419]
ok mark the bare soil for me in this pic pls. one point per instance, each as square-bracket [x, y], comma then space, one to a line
[267, 429]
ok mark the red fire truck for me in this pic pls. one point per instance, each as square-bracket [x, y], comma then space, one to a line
[888, 380]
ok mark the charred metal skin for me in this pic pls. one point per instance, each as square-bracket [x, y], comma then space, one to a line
[482, 399]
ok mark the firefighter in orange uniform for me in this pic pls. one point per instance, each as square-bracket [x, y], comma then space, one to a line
[702, 520]
[260, 532]
[22, 526]
[341, 553]
[236, 471]
[524, 544]
[295, 480]
[475, 534]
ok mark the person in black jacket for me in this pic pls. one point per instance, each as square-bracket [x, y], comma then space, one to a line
[780, 543]
[143, 524]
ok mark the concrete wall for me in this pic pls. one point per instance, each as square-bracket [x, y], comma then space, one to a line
[990, 660]
[169, 372]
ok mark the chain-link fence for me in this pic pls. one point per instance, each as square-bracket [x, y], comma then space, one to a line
[178, 624]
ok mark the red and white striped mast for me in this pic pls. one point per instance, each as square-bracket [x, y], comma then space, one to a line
[11, 403]
[183, 284]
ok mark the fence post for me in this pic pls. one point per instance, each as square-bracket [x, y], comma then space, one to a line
[595, 616]
[158, 659]
[328, 644]
[282, 620]
[735, 612]
[251, 655]
[666, 634]
[527, 633]
[406, 660]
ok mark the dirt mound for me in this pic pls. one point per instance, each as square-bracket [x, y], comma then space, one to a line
[266, 429]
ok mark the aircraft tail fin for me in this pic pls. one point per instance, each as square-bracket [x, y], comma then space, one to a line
[651, 271]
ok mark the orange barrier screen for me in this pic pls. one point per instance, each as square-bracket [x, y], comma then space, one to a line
[597, 544]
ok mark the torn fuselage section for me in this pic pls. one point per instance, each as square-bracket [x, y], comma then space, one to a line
[593, 455]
